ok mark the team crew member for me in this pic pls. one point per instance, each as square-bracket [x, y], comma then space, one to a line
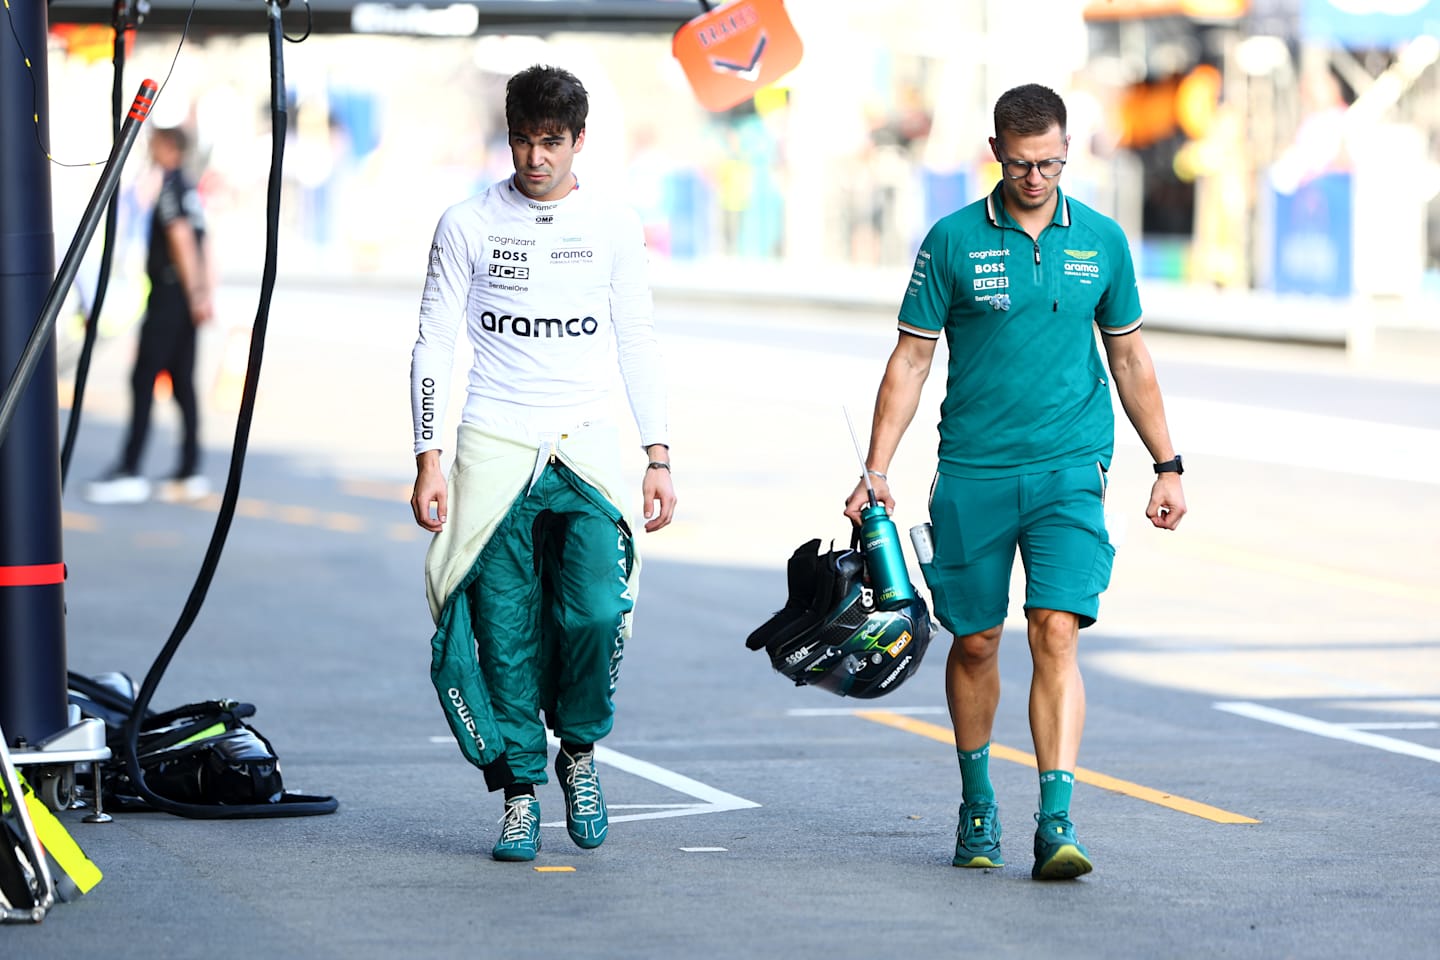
[180, 301]
[1015, 282]
[532, 574]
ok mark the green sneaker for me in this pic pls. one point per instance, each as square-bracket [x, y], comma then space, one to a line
[519, 830]
[977, 839]
[585, 816]
[1058, 855]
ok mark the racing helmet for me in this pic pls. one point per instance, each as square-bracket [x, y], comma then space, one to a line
[830, 633]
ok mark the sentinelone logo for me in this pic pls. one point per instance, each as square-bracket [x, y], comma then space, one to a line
[539, 326]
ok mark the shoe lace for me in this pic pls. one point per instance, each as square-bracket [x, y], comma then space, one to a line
[1057, 822]
[519, 820]
[584, 786]
[977, 822]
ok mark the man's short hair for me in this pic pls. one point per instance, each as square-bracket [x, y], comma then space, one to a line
[1028, 111]
[542, 99]
[174, 136]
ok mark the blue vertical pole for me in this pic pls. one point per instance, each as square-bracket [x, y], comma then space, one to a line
[32, 598]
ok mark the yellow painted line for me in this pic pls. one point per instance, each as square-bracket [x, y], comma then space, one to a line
[299, 516]
[263, 510]
[377, 490]
[554, 869]
[255, 509]
[343, 522]
[1104, 782]
[1305, 570]
[84, 522]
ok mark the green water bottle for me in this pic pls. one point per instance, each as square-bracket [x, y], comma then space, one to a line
[884, 559]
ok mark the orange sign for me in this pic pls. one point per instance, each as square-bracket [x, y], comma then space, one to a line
[730, 52]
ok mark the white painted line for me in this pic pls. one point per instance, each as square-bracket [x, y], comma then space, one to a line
[851, 711]
[1389, 451]
[713, 800]
[1334, 731]
[1408, 725]
[703, 850]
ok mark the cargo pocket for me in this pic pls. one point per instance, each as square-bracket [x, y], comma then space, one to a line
[1104, 561]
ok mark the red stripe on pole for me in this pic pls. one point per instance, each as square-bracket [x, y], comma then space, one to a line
[38, 575]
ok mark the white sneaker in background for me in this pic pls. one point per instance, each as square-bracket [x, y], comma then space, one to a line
[184, 489]
[118, 488]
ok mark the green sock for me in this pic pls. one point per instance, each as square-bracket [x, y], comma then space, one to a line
[1055, 789]
[975, 775]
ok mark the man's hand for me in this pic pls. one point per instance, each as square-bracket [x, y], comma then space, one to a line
[202, 308]
[860, 498]
[658, 493]
[1167, 502]
[429, 492]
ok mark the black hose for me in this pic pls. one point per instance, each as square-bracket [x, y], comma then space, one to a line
[107, 256]
[291, 805]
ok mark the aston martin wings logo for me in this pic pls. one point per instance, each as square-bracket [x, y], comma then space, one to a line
[745, 71]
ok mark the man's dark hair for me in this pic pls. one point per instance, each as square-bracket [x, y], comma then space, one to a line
[1028, 111]
[174, 136]
[542, 99]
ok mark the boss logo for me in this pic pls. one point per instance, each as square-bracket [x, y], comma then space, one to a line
[517, 255]
[990, 267]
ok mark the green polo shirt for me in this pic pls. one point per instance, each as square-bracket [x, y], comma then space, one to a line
[1026, 390]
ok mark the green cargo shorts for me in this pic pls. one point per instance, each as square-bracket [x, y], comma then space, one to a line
[1056, 520]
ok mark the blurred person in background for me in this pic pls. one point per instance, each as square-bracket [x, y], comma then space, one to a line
[533, 568]
[1017, 282]
[180, 300]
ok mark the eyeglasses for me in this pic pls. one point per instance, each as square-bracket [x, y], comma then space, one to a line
[1020, 169]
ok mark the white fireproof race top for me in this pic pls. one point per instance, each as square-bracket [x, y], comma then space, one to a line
[551, 295]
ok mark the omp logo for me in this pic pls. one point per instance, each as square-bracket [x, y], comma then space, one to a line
[462, 712]
[1081, 254]
[546, 218]
[539, 326]
[992, 283]
[990, 268]
[509, 271]
[987, 254]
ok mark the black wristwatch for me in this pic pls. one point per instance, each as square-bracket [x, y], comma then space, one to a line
[1171, 466]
